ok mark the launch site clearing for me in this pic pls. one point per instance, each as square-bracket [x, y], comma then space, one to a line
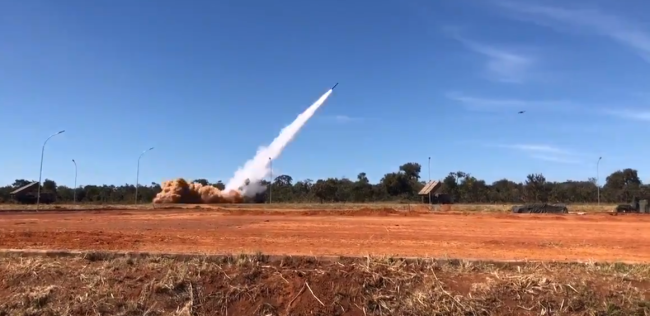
[501, 236]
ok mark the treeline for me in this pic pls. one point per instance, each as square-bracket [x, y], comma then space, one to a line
[402, 185]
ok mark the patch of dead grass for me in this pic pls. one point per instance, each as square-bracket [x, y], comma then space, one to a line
[107, 284]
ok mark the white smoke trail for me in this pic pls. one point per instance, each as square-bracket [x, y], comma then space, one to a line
[257, 168]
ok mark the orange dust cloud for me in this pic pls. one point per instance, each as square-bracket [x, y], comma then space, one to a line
[180, 191]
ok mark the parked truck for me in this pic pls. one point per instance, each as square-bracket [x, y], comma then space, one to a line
[637, 206]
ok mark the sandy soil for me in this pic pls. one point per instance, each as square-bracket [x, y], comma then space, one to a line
[481, 236]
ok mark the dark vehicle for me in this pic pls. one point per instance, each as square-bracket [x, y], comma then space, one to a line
[540, 208]
[637, 206]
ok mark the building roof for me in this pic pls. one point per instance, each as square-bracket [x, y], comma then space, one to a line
[430, 187]
[25, 187]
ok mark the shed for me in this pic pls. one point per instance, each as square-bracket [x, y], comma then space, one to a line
[430, 195]
[25, 189]
[28, 194]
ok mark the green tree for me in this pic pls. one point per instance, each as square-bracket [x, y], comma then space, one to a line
[202, 182]
[219, 185]
[49, 186]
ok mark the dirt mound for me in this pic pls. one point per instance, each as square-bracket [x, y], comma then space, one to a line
[257, 285]
[366, 211]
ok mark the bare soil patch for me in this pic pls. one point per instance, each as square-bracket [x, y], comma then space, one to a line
[498, 236]
[347, 207]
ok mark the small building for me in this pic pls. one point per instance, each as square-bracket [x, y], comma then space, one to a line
[28, 194]
[430, 195]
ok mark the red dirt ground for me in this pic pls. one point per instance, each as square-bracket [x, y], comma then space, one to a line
[384, 232]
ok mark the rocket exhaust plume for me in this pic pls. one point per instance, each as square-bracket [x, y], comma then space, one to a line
[257, 168]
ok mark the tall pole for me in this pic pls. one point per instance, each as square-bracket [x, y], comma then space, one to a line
[40, 172]
[429, 179]
[74, 195]
[271, 182]
[137, 175]
[598, 178]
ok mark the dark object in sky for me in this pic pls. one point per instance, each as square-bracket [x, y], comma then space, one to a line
[522, 112]
[335, 86]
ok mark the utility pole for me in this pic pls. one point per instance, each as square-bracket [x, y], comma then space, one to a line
[74, 194]
[271, 181]
[40, 172]
[137, 175]
[598, 178]
[429, 179]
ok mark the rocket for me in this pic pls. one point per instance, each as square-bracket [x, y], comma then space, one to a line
[335, 86]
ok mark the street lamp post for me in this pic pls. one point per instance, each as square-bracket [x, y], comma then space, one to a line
[40, 172]
[429, 179]
[137, 175]
[598, 178]
[271, 181]
[74, 194]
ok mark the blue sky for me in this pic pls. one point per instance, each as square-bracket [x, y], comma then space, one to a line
[207, 82]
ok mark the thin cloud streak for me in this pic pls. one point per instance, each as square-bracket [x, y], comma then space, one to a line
[544, 152]
[480, 103]
[637, 115]
[558, 159]
[502, 65]
[344, 118]
[536, 148]
[596, 21]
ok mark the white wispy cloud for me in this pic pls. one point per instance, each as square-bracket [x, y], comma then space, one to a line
[558, 159]
[481, 103]
[592, 20]
[504, 65]
[536, 148]
[544, 152]
[638, 115]
[344, 118]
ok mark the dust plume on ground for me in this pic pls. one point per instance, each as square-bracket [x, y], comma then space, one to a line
[181, 191]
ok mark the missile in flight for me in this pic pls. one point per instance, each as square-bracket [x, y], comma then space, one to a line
[335, 86]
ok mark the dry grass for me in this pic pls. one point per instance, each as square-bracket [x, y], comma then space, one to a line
[470, 208]
[103, 284]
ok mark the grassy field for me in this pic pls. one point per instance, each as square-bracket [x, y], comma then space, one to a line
[106, 284]
[588, 208]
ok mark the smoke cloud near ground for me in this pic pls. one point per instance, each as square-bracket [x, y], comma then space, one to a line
[257, 168]
[180, 191]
